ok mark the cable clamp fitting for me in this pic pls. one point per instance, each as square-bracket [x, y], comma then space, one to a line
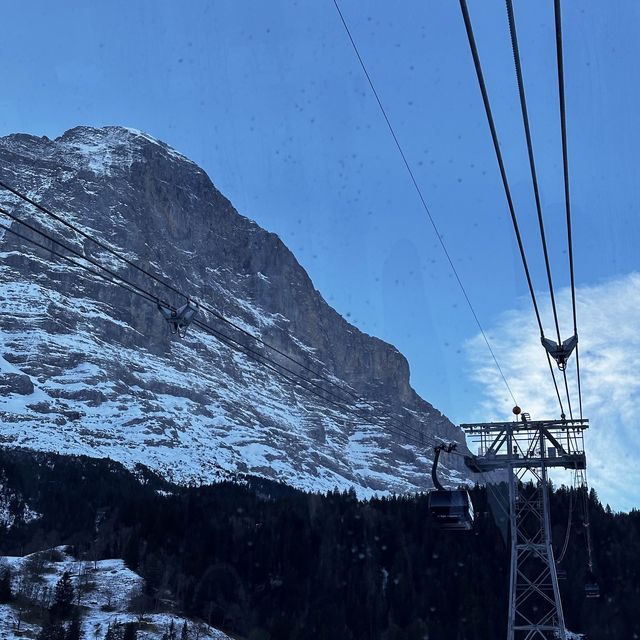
[178, 319]
[560, 352]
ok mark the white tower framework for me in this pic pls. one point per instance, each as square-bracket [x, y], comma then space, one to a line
[526, 449]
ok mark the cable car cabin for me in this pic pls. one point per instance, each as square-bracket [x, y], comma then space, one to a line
[451, 510]
[591, 587]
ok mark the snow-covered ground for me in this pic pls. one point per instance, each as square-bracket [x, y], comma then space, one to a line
[107, 587]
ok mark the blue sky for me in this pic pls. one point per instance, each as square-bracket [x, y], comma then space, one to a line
[269, 99]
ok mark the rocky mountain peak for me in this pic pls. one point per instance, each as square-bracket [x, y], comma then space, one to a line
[93, 370]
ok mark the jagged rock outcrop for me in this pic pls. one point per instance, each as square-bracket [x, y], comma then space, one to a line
[89, 368]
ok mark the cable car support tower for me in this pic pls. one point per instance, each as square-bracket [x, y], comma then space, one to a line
[526, 449]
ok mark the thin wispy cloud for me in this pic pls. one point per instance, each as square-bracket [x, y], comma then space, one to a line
[609, 331]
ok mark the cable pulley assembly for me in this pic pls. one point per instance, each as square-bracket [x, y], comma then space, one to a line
[560, 352]
[178, 319]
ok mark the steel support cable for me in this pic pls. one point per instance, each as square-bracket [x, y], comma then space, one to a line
[415, 436]
[498, 151]
[148, 294]
[578, 379]
[73, 262]
[532, 162]
[141, 293]
[587, 521]
[567, 198]
[505, 181]
[566, 388]
[77, 253]
[411, 437]
[534, 178]
[567, 534]
[257, 356]
[411, 433]
[418, 433]
[166, 284]
[421, 197]
[555, 384]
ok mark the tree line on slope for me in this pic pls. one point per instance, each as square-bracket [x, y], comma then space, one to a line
[263, 561]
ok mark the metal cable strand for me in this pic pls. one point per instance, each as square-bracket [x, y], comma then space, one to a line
[565, 154]
[532, 163]
[578, 377]
[410, 433]
[418, 439]
[566, 388]
[254, 355]
[74, 263]
[567, 534]
[505, 181]
[555, 384]
[587, 521]
[421, 197]
[149, 298]
[496, 146]
[169, 286]
[565, 165]
[75, 252]
[154, 298]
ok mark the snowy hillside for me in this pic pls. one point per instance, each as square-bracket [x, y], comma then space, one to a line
[104, 591]
[88, 368]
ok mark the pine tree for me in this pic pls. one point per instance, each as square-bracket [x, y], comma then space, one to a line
[170, 633]
[74, 630]
[115, 631]
[185, 632]
[6, 594]
[63, 596]
[131, 555]
[130, 631]
[52, 631]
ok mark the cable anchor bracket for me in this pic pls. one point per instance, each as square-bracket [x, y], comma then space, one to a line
[560, 352]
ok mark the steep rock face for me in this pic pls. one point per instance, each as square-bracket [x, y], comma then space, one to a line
[88, 367]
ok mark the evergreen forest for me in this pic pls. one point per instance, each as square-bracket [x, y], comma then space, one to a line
[262, 561]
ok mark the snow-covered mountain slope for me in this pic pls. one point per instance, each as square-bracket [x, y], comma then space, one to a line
[105, 592]
[88, 368]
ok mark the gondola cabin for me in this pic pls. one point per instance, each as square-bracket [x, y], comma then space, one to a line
[591, 587]
[451, 510]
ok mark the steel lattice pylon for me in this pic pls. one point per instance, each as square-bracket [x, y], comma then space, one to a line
[535, 609]
[526, 449]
